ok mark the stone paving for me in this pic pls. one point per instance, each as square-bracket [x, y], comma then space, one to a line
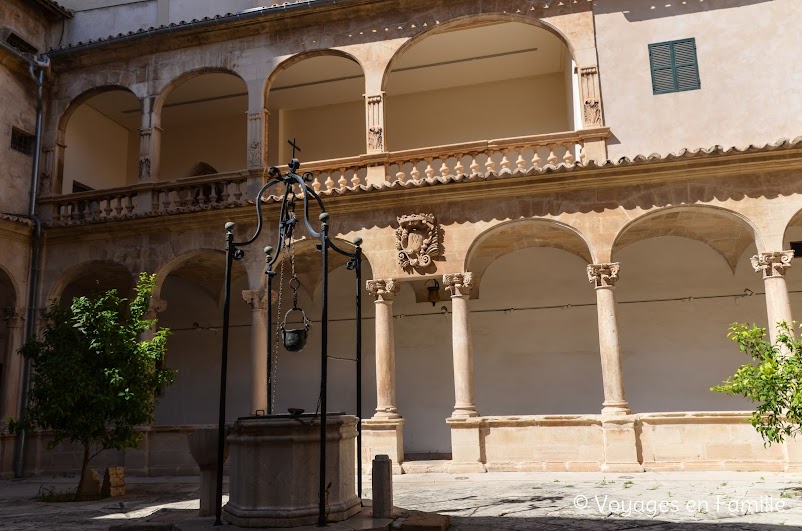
[669, 501]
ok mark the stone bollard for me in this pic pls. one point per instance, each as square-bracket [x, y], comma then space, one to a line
[113, 482]
[382, 487]
[203, 447]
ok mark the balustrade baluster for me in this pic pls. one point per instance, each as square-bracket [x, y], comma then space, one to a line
[568, 158]
[490, 165]
[316, 184]
[429, 171]
[474, 163]
[536, 157]
[342, 182]
[225, 195]
[107, 208]
[552, 160]
[355, 179]
[582, 156]
[129, 204]
[237, 190]
[444, 169]
[400, 175]
[329, 181]
[520, 162]
[505, 163]
[415, 172]
[64, 210]
[459, 169]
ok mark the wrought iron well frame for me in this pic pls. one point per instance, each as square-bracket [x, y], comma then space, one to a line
[234, 251]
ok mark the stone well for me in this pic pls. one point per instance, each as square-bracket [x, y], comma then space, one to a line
[274, 470]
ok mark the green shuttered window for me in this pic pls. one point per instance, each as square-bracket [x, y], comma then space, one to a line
[674, 66]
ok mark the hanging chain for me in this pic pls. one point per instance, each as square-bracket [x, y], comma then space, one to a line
[276, 336]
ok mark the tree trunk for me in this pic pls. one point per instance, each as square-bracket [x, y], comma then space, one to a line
[84, 484]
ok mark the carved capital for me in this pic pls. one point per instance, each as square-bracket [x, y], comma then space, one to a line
[772, 264]
[155, 306]
[14, 317]
[256, 298]
[603, 275]
[417, 240]
[458, 284]
[384, 289]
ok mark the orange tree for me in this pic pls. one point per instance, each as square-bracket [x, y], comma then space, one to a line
[772, 381]
[94, 377]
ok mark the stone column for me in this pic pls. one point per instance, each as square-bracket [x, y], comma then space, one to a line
[385, 291]
[603, 277]
[257, 139]
[459, 285]
[383, 434]
[13, 364]
[618, 424]
[156, 306]
[258, 301]
[778, 306]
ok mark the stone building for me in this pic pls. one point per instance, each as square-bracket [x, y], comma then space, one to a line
[596, 190]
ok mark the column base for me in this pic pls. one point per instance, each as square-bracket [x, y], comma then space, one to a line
[467, 445]
[620, 444]
[383, 436]
[615, 409]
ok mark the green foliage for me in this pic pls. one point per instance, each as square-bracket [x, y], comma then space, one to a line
[773, 380]
[94, 380]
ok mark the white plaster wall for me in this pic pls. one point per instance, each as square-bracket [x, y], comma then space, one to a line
[477, 111]
[327, 132]
[744, 50]
[193, 397]
[536, 361]
[95, 20]
[673, 352]
[220, 143]
[97, 151]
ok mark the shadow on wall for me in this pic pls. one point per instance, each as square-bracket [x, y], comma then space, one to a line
[637, 10]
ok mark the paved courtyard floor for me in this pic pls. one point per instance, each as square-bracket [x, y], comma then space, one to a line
[676, 501]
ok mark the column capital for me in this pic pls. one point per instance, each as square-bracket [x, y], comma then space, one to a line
[384, 289]
[257, 298]
[458, 284]
[603, 275]
[15, 317]
[155, 305]
[772, 264]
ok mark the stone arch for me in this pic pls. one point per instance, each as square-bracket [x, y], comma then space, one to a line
[82, 98]
[728, 232]
[170, 86]
[509, 236]
[794, 222]
[112, 273]
[207, 263]
[494, 16]
[14, 290]
[302, 56]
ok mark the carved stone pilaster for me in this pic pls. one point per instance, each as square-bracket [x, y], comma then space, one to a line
[603, 275]
[257, 139]
[14, 317]
[458, 284]
[156, 306]
[149, 149]
[375, 123]
[384, 289]
[257, 298]
[772, 264]
[591, 100]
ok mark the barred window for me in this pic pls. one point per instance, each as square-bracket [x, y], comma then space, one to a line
[22, 141]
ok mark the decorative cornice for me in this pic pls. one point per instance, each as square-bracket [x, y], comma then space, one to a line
[772, 264]
[603, 275]
[458, 284]
[383, 289]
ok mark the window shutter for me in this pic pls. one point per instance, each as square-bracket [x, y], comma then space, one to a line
[686, 66]
[674, 66]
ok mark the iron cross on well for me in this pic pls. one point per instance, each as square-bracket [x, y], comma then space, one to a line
[294, 146]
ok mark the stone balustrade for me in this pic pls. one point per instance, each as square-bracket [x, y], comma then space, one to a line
[499, 157]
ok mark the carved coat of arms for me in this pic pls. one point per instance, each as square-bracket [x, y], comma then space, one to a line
[417, 239]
